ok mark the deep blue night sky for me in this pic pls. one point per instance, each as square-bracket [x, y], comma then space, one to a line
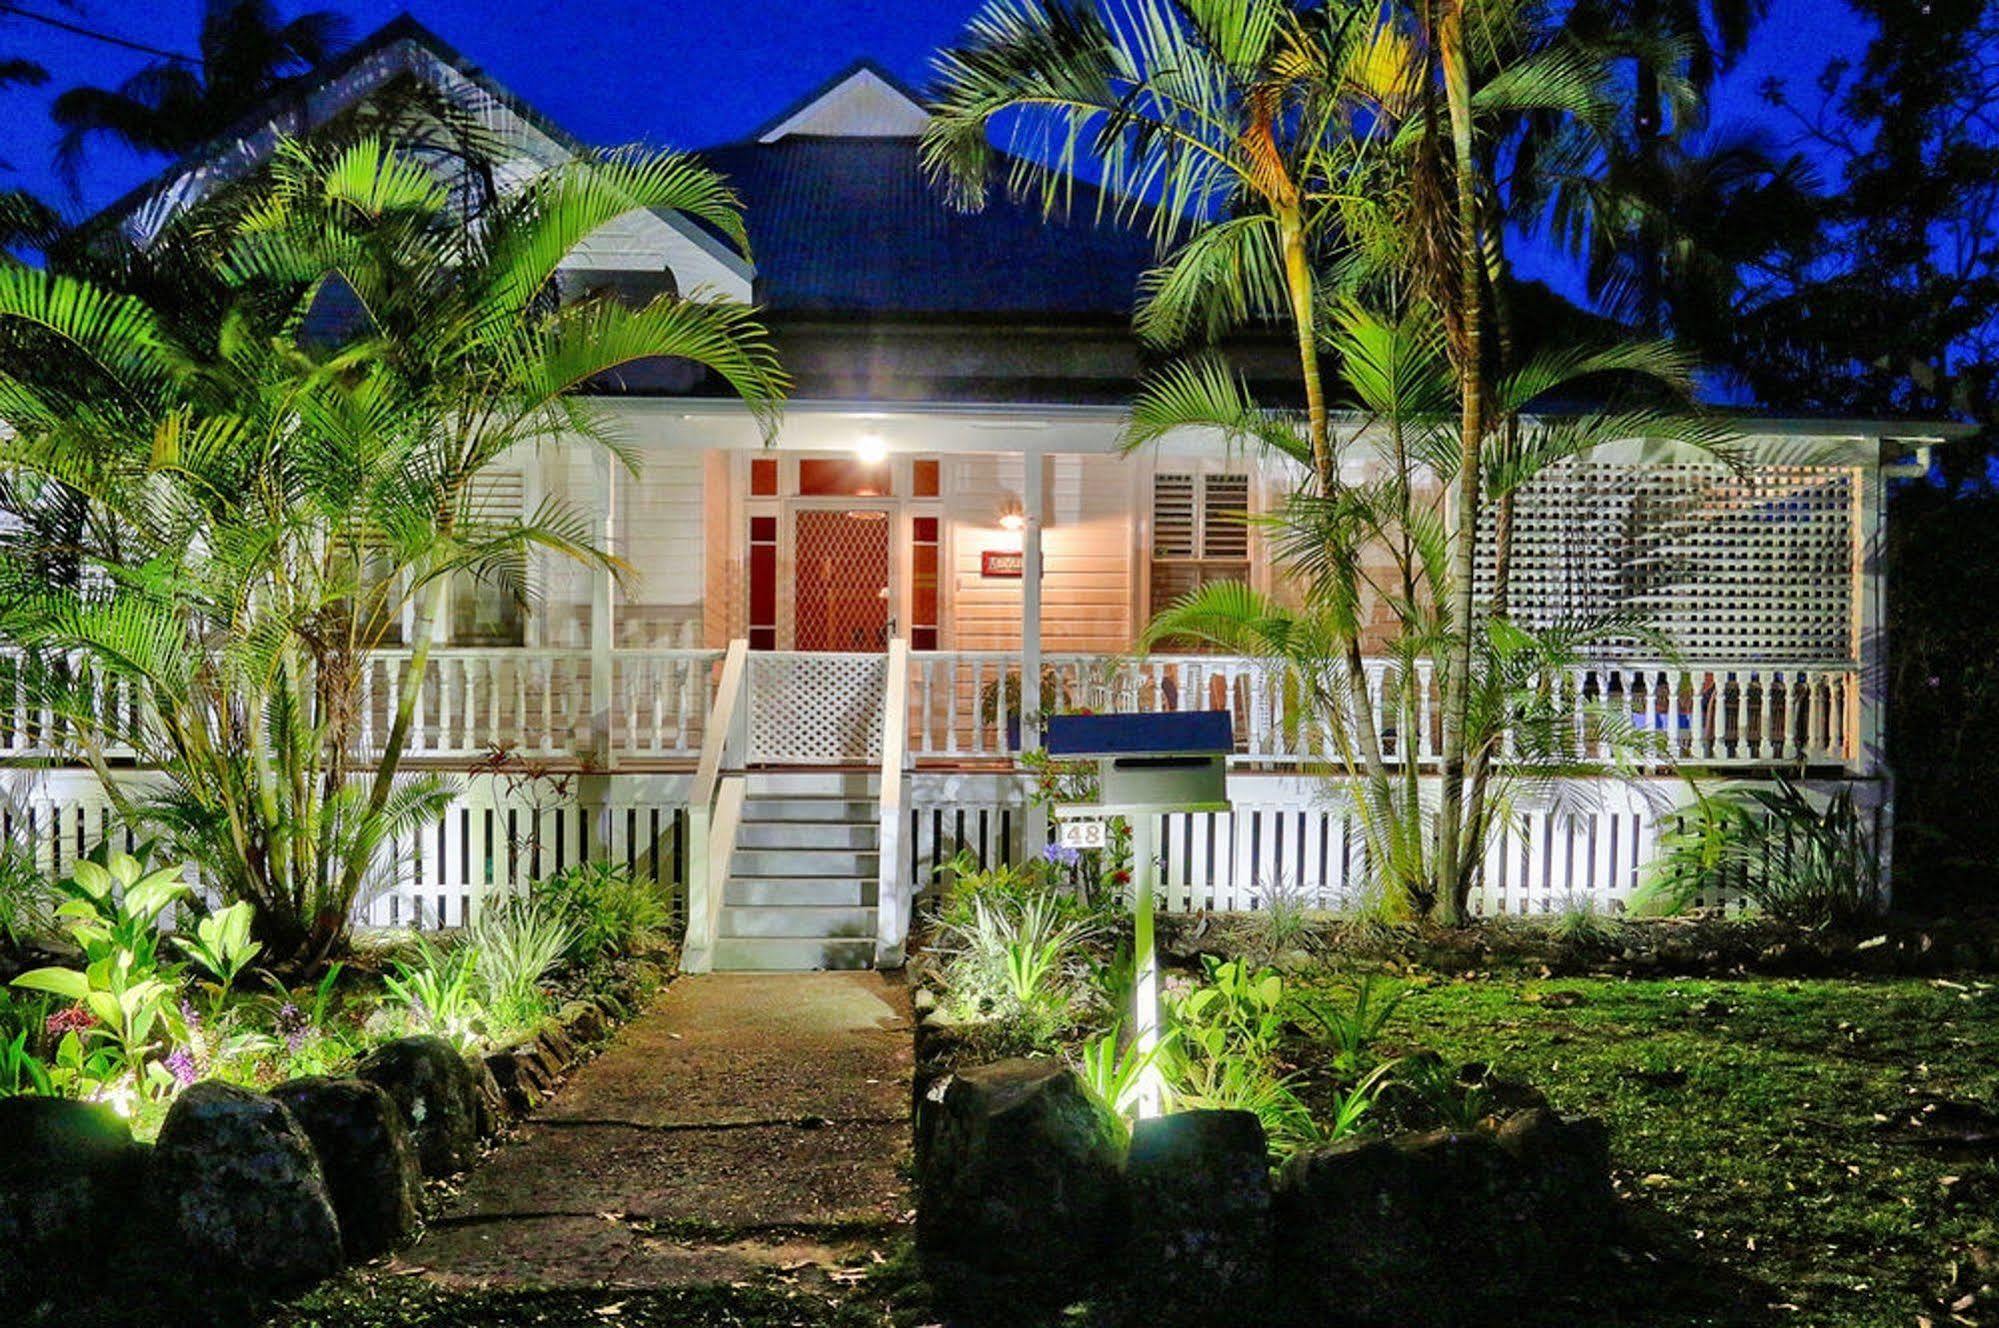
[691, 73]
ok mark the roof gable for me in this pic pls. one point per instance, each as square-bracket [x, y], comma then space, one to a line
[862, 101]
[405, 48]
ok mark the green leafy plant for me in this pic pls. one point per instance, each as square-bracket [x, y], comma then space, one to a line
[1115, 1070]
[438, 991]
[112, 910]
[27, 902]
[1351, 1026]
[1580, 922]
[1010, 962]
[1223, 1053]
[1235, 1012]
[221, 946]
[1458, 1100]
[609, 910]
[1353, 1103]
[1801, 857]
[22, 1073]
[513, 946]
[1281, 923]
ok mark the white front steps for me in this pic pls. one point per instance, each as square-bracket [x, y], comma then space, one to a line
[802, 882]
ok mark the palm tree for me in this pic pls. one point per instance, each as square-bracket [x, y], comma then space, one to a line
[261, 501]
[170, 107]
[1229, 130]
[1690, 41]
[1680, 241]
[1520, 724]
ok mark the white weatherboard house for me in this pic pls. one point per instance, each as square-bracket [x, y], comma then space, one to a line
[797, 707]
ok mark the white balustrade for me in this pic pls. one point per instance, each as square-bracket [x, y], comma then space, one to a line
[964, 706]
[1646, 713]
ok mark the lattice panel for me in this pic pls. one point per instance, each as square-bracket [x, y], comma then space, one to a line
[1751, 566]
[816, 709]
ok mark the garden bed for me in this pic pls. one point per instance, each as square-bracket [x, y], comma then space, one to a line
[214, 1135]
[1784, 1146]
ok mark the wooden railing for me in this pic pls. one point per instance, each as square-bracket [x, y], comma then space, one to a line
[826, 709]
[534, 703]
[963, 704]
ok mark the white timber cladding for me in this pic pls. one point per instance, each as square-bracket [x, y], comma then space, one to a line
[1759, 564]
[1088, 548]
[663, 539]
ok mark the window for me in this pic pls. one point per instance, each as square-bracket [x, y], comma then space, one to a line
[1200, 533]
[484, 611]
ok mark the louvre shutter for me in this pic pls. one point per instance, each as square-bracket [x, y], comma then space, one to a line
[1199, 533]
[482, 612]
[1225, 517]
[497, 495]
[1174, 519]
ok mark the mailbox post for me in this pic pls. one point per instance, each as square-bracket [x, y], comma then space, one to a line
[1147, 765]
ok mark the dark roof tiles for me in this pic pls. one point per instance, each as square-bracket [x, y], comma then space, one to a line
[851, 226]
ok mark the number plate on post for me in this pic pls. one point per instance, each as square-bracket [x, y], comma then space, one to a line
[1084, 834]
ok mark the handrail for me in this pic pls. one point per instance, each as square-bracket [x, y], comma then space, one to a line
[891, 892]
[725, 723]
[711, 828]
[704, 911]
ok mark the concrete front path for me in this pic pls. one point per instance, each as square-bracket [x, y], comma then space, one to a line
[745, 1123]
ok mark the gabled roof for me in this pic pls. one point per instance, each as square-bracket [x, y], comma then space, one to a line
[861, 101]
[401, 47]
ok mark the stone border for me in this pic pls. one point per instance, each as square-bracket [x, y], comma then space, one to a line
[248, 1196]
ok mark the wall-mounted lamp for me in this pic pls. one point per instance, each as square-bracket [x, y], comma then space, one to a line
[871, 449]
[1011, 517]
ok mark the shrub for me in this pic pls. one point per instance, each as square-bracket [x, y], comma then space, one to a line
[1281, 924]
[1352, 1025]
[437, 991]
[610, 911]
[1802, 858]
[1223, 1052]
[1010, 964]
[112, 909]
[513, 947]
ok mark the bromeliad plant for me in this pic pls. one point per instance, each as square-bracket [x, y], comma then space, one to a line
[245, 457]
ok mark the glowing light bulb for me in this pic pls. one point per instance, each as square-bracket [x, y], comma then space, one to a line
[871, 449]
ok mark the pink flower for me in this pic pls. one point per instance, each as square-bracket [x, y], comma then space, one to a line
[70, 1019]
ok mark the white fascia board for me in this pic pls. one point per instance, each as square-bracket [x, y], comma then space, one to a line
[974, 428]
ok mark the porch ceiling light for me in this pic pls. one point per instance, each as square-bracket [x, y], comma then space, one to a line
[872, 449]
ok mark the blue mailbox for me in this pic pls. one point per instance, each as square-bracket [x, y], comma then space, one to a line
[1174, 760]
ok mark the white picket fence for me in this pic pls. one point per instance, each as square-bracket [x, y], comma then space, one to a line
[1286, 834]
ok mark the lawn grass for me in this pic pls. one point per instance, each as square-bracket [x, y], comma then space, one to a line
[1759, 1135]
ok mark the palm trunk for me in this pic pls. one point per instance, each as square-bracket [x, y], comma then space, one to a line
[1450, 37]
[1304, 319]
[422, 629]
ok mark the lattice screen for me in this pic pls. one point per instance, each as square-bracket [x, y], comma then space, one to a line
[1753, 566]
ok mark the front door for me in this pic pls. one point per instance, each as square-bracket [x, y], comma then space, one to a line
[842, 596]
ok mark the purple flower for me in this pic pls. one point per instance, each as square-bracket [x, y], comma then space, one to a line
[180, 1064]
[1062, 855]
[292, 1027]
